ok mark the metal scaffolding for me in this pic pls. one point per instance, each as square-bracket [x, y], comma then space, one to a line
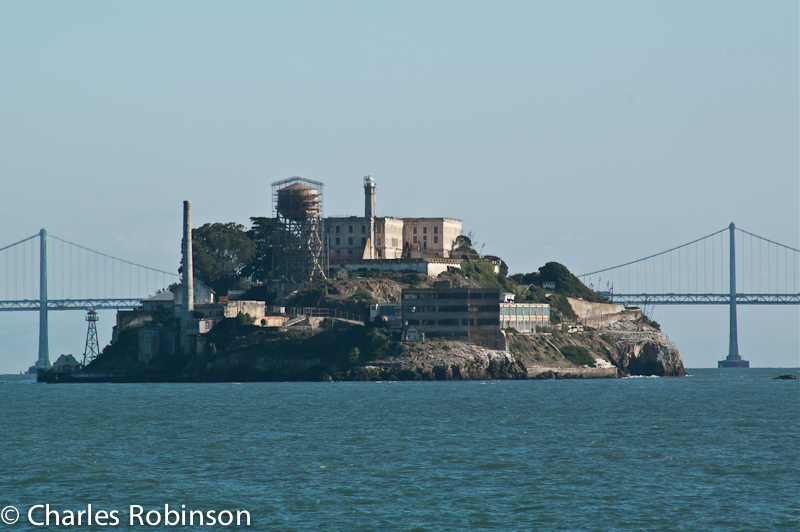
[301, 250]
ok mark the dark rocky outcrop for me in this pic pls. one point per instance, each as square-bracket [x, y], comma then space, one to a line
[643, 350]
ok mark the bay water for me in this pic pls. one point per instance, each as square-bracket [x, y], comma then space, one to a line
[719, 450]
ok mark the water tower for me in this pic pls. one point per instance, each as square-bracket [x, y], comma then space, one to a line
[297, 204]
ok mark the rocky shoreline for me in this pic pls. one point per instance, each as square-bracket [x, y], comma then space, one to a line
[622, 348]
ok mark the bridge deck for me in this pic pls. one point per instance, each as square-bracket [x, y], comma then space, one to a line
[708, 299]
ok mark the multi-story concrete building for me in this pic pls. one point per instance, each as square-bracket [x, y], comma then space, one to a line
[355, 238]
[435, 236]
[349, 237]
[389, 238]
[471, 315]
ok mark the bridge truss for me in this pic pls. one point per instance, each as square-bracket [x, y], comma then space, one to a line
[700, 271]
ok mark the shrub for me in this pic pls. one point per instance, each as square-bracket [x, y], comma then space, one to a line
[363, 295]
[578, 355]
[246, 319]
[562, 305]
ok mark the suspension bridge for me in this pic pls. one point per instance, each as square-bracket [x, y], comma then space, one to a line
[708, 271]
[70, 277]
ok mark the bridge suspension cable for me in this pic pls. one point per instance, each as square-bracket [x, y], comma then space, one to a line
[80, 277]
[699, 272]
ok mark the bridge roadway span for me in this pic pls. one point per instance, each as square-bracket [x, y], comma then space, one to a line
[73, 304]
[707, 299]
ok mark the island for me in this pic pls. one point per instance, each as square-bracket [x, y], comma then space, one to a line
[299, 297]
[351, 327]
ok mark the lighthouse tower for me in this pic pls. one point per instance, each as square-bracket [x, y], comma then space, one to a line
[369, 211]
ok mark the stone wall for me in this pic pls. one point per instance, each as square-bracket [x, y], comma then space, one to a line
[431, 268]
[585, 309]
[256, 309]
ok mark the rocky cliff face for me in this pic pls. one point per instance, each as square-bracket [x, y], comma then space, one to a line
[448, 361]
[643, 350]
[349, 352]
[428, 361]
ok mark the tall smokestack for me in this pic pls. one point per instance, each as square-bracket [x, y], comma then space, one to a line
[188, 272]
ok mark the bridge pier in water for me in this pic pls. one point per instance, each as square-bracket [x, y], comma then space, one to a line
[733, 360]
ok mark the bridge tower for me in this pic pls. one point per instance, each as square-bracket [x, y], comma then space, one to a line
[733, 360]
[44, 344]
[92, 344]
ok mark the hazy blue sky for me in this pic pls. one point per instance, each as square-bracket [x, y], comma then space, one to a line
[589, 133]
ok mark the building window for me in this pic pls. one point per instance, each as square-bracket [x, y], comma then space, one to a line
[378, 229]
[425, 245]
[338, 241]
[435, 239]
[425, 238]
[363, 229]
[379, 241]
[415, 240]
[338, 229]
[363, 241]
[424, 230]
[350, 229]
[414, 230]
[435, 230]
[350, 241]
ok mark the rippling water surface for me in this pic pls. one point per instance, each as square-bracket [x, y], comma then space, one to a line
[716, 451]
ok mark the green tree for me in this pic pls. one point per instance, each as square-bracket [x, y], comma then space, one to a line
[463, 243]
[220, 254]
[245, 319]
[264, 234]
[567, 284]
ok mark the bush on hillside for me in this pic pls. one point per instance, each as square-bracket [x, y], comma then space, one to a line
[578, 355]
[566, 283]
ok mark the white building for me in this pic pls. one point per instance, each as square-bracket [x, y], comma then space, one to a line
[524, 317]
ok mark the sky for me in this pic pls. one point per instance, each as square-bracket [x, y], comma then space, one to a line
[587, 133]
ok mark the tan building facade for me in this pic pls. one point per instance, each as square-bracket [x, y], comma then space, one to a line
[388, 238]
[348, 238]
[433, 235]
[370, 237]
